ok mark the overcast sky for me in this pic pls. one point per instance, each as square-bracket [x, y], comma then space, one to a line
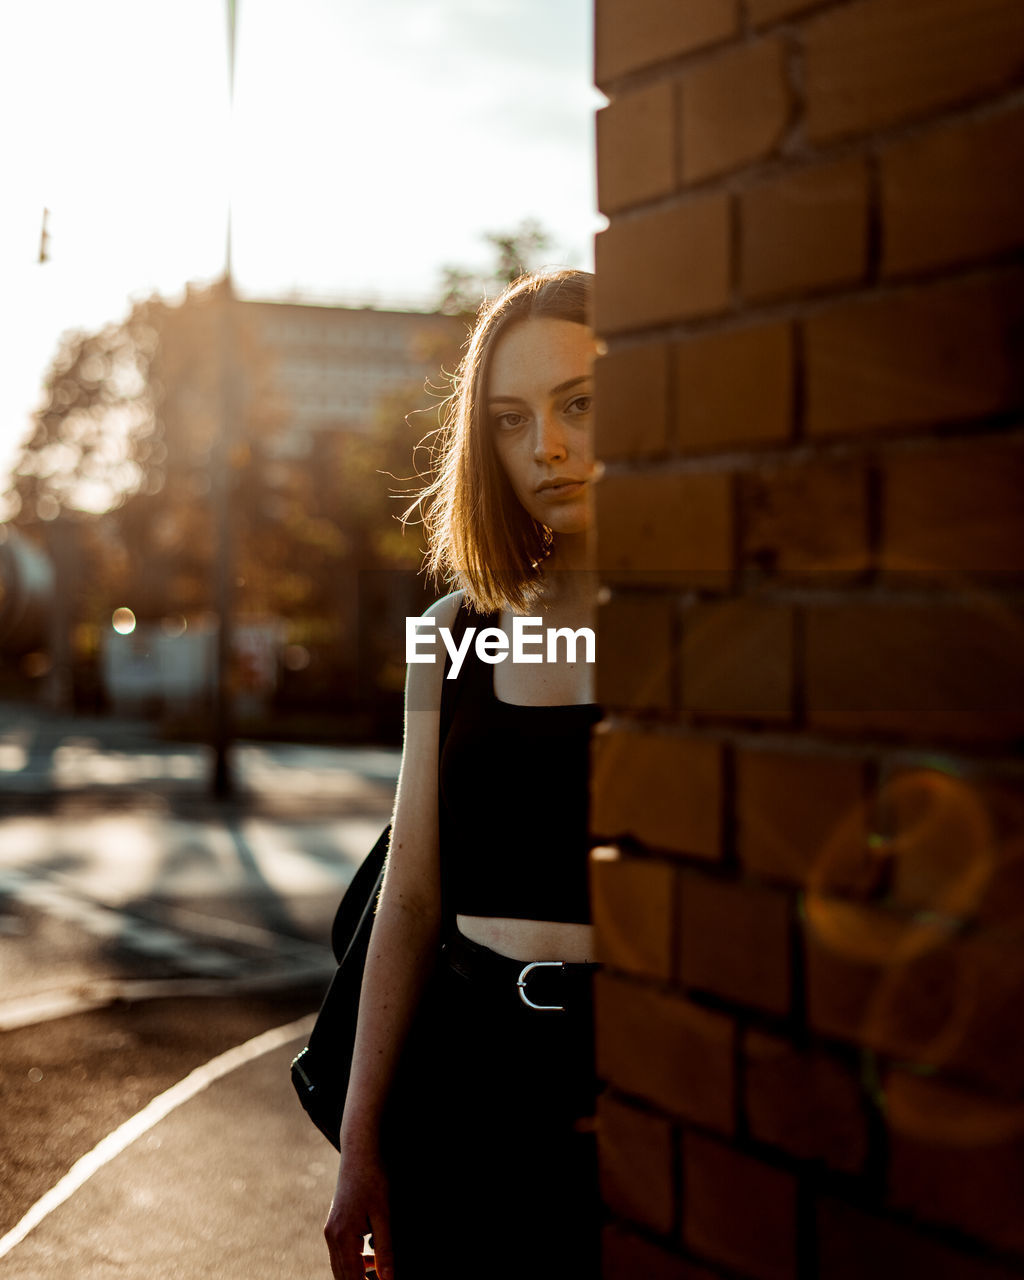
[373, 141]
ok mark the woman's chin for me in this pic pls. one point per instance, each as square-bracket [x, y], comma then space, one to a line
[570, 529]
[570, 519]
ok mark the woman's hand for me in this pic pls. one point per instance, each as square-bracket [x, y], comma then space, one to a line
[360, 1205]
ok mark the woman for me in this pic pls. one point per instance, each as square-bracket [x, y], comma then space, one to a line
[467, 1140]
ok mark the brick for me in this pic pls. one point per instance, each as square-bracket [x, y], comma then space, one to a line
[627, 1256]
[738, 659]
[852, 1244]
[636, 147]
[764, 12]
[893, 983]
[930, 1110]
[957, 1008]
[734, 109]
[635, 653]
[953, 195]
[666, 1050]
[631, 397]
[790, 809]
[983, 1042]
[916, 358]
[630, 34]
[1001, 799]
[806, 520]
[1000, 802]
[734, 388]
[665, 791]
[635, 1154]
[806, 1103]
[666, 528]
[734, 942]
[805, 231]
[935, 524]
[975, 1183]
[632, 913]
[737, 1210]
[930, 836]
[871, 64]
[921, 669]
[662, 267]
[844, 971]
[950, 1005]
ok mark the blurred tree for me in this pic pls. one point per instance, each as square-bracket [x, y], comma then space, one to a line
[515, 253]
[122, 448]
[166, 522]
[358, 484]
[125, 438]
[93, 430]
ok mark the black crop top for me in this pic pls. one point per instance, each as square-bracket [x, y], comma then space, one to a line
[513, 802]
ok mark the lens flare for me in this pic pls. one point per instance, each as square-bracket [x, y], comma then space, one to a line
[123, 621]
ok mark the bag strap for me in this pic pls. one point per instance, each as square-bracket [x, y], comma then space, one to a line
[450, 689]
[450, 693]
[359, 899]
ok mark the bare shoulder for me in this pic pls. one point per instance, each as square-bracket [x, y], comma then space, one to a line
[423, 679]
[445, 609]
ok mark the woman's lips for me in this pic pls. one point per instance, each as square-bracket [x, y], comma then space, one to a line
[568, 490]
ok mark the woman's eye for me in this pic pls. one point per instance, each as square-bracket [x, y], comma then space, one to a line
[580, 404]
[508, 420]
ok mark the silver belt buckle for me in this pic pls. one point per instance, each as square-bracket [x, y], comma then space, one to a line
[521, 984]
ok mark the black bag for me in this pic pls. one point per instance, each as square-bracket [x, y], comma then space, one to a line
[321, 1070]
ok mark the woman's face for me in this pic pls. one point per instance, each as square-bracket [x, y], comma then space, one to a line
[539, 399]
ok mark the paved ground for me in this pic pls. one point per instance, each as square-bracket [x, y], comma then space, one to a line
[232, 1183]
[45, 757]
[111, 832]
[144, 932]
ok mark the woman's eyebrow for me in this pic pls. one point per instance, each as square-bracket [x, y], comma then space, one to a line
[572, 382]
[562, 386]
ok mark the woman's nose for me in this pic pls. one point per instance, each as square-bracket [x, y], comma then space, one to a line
[549, 441]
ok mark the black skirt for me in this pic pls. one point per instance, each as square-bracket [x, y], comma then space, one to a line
[488, 1142]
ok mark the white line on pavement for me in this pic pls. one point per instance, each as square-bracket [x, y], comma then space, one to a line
[153, 1112]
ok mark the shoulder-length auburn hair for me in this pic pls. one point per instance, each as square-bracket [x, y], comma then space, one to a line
[479, 537]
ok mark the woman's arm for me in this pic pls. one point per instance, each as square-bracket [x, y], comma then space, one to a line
[402, 950]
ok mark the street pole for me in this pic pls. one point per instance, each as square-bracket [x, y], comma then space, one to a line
[223, 780]
[61, 538]
[223, 783]
[63, 549]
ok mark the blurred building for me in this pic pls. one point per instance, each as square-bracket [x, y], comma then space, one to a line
[167, 668]
[334, 365]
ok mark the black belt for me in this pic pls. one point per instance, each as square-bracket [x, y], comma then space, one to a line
[552, 986]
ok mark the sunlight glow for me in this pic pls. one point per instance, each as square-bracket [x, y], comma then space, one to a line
[373, 145]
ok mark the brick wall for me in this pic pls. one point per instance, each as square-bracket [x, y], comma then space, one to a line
[807, 791]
